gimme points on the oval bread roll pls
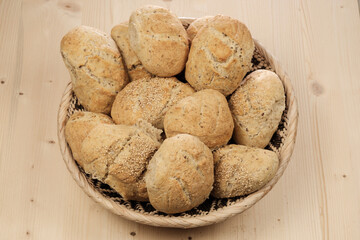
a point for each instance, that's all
(241, 170)
(180, 174)
(148, 99)
(118, 155)
(95, 66)
(257, 106)
(78, 127)
(220, 55)
(196, 25)
(136, 70)
(159, 40)
(205, 114)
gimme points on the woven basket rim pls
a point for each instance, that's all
(212, 217)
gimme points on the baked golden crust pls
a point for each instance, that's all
(220, 55)
(180, 174)
(241, 170)
(95, 66)
(196, 25)
(118, 155)
(136, 71)
(78, 127)
(148, 99)
(205, 114)
(257, 106)
(159, 40)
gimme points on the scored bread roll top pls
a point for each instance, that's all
(120, 34)
(180, 174)
(241, 170)
(220, 55)
(118, 155)
(196, 25)
(257, 106)
(148, 99)
(95, 66)
(204, 114)
(159, 40)
(78, 127)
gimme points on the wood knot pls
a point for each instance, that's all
(2, 81)
(316, 88)
(133, 234)
(69, 6)
(344, 175)
(51, 141)
(21, 93)
(189, 238)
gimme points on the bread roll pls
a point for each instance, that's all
(95, 66)
(159, 40)
(257, 107)
(220, 55)
(241, 170)
(196, 25)
(148, 99)
(136, 70)
(180, 175)
(205, 114)
(118, 155)
(78, 127)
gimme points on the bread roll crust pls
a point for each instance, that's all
(148, 99)
(241, 170)
(78, 127)
(205, 114)
(220, 55)
(180, 174)
(196, 25)
(257, 106)
(159, 40)
(118, 155)
(95, 66)
(120, 34)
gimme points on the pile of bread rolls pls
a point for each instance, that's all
(128, 85)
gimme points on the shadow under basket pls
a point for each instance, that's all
(212, 210)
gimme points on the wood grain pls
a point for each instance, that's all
(317, 198)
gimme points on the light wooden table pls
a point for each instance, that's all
(318, 43)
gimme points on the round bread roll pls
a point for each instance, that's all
(78, 127)
(159, 40)
(95, 66)
(241, 170)
(196, 25)
(257, 106)
(220, 55)
(136, 70)
(148, 99)
(205, 114)
(118, 155)
(180, 174)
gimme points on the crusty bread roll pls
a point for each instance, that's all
(148, 99)
(257, 106)
(78, 127)
(180, 174)
(205, 114)
(159, 40)
(95, 66)
(241, 170)
(120, 34)
(196, 25)
(118, 155)
(220, 55)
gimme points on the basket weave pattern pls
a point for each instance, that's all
(212, 210)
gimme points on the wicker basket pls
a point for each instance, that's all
(212, 210)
